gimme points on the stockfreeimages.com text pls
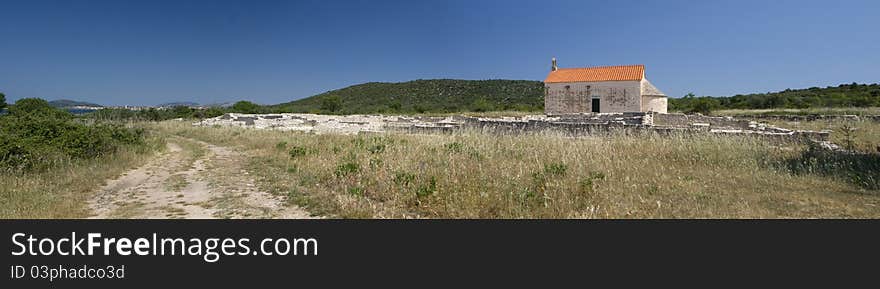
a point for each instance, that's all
(211, 249)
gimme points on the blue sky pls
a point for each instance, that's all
(150, 52)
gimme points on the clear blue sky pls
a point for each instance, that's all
(150, 52)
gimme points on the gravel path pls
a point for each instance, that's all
(191, 180)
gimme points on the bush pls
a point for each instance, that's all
(557, 169)
(37, 108)
(454, 147)
(403, 178)
(245, 107)
(862, 169)
(346, 169)
(34, 135)
(844, 95)
(427, 189)
(152, 114)
(298, 151)
(331, 103)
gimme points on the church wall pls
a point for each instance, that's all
(654, 103)
(576, 97)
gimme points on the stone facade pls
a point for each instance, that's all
(652, 103)
(607, 89)
(613, 96)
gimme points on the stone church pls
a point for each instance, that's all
(601, 90)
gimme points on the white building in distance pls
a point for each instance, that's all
(601, 90)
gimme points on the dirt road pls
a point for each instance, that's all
(192, 180)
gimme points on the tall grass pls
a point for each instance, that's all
(64, 189)
(861, 135)
(475, 175)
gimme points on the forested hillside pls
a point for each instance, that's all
(437, 95)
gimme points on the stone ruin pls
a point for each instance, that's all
(570, 124)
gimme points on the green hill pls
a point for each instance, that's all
(65, 103)
(436, 95)
(844, 95)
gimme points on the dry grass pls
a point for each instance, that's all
(476, 175)
(64, 190)
(864, 135)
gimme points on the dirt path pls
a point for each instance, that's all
(192, 180)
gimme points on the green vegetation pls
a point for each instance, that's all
(153, 114)
(175, 112)
(424, 96)
(862, 169)
(450, 96)
(34, 135)
(51, 162)
(246, 107)
(844, 95)
(2, 101)
(804, 111)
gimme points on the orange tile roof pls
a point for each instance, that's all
(602, 73)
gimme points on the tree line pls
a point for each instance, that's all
(844, 95)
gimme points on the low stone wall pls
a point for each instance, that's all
(571, 124)
(686, 120)
(540, 126)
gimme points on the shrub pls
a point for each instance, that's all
(427, 189)
(482, 105)
(862, 169)
(346, 169)
(454, 147)
(557, 169)
(403, 178)
(331, 103)
(356, 191)
(37, 108)
(34, 135)
(377, 148)
(298, 151)
(245, 107)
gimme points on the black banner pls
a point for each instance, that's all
(55, 253)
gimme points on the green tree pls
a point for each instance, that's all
(245, 107)
(2, 101)
(181, 111)
(213, 112)
(704, 105)
(331, 103)
(481, 105)
(36, 107)
(395, 106)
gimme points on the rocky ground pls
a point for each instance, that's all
(576, 124)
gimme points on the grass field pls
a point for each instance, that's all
(63, 190)
(862, 135)
(475, 175)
